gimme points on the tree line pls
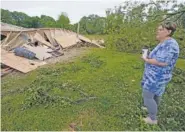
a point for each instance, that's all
(130, 13)
(132, 26)
(92, 24)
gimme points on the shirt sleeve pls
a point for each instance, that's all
(166, 53)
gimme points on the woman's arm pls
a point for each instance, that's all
(154, 62)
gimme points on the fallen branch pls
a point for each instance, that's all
(83, 100)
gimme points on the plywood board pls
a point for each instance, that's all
(48, 35)
(66, 41)
(84, 38)
(58, 32)
(15, 43)
(62, 32)
(39, 38)
(9, 38)
(89, 41)
(19, 63)
(6, 39)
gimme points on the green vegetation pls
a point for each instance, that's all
(128, 27)
(92, 24)
(98, 91)
(132, 29)
(97, 37)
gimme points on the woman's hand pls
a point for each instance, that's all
(154, 62)
(144, 58)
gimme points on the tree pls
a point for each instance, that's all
(63, 21)
(23, 20)
(35, 22)
(47, 21)
(6, 16)
(132, 25)
(93, 24)
(20, 19)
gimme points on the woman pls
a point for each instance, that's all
(158, 69)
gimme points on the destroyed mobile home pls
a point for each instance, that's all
(25, 49)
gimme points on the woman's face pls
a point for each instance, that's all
(162, 33)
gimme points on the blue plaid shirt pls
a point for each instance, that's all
(155, 77)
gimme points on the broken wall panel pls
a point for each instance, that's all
(6, 39)
(58, 33)
(19, 40)
(48, 35)
(62, 32)
(9, 37)
(39, 38)
(89, 41)
(10, 27)
(66, 41)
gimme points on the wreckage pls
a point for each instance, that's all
(25, 49)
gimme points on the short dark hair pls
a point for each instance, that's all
(169, 26)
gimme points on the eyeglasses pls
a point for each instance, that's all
(160, 29)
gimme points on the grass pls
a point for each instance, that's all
(96, 37)
(98, 91)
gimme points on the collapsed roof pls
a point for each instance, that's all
(45, 40)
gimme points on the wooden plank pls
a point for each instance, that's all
(84, 38)
(12, 35)
(19, 63)
(9, 43)
(22, 39)
(15, 42)
(6, 39)
(48, 35)
(58, 32)
(89, 41)
(62, 32)
(39, 38)
(52, 32)
(66, 41)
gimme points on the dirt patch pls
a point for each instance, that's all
(69, 55)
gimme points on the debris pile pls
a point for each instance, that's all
(26, 49)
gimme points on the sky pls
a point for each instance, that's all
(75, 9)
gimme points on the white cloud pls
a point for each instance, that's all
(74, 9)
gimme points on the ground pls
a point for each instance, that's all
(98, 90)
(69, 55)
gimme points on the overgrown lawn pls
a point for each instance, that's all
(98, 91)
